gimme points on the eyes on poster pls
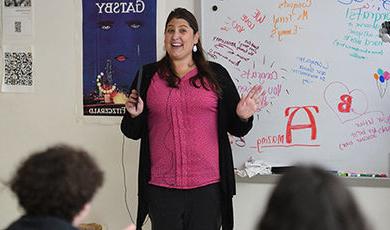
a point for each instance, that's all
(118, 38)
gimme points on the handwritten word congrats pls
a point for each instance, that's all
(361, 40)
(295, 5)
(375, 18)
(121, 7)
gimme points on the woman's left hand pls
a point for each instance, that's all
(249, 104)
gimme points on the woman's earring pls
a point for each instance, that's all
(194, 48)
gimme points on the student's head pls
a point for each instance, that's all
(307, 198)
(59, 181)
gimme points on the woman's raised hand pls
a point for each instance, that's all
(249, 104)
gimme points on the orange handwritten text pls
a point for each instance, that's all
(287, 24)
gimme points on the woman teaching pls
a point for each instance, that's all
(182, 111)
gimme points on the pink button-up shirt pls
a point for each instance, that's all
(183, 134)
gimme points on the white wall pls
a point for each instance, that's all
(30, 122)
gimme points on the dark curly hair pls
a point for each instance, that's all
(307, 198)
(204, 70)
(57, 182)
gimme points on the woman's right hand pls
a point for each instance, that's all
(134, 105)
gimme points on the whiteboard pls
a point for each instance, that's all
(324, 73)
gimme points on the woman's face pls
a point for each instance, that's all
(179, 39)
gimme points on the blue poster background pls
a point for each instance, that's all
(118, 37)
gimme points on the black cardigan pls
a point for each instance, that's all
(228, 121)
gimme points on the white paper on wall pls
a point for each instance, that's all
(17, 65)
(17, 19)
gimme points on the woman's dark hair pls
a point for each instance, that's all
(307, 198)
(57, 182)
(204, 70)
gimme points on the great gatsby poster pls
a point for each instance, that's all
(118, 38)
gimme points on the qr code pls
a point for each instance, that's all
(18, 27)
(18, 68)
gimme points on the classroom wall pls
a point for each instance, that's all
(31, 122)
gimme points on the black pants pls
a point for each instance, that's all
(192, 209)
